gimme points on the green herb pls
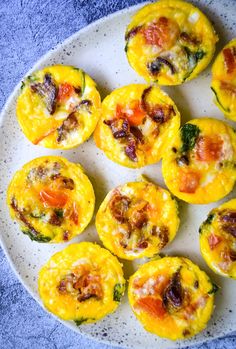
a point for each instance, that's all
(80, 321)
(38, 238)
(37, 214)
(214, 289)
(59, 212)
(118, 292)
(83, 81)
(209, 218)
(32, 78)
(126, 46)
(193, 59)
(199, 55)
(218, 100)
(22, 85)
(189, 134)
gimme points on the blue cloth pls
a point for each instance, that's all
(28, 29)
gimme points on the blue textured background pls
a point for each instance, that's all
(28, 29)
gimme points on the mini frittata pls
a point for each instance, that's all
(51, 198)
(136, 124)
(59, 107)
(199, 165)
(83, 283)
(224, 80)
(218, 239)
(137, 220)
(172, 297)
(169, 42)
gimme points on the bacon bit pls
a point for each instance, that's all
(137, 134)
(173, 295)
(228, 87)
(66, 235)
(75, 215)
(228, 220)
(130, 34)
(130, 150)
(68, 125)
(152, 306)
(48, 91)
(159, 113)
(209, 148)
(119, 127)
(213, 240)
(229, 54)
(118, 205)
(65, 91)
(142, 244)
(189, 38)
(20, 215)
(139, 216)
(52, 198)
(55, 219)
(189, 181)
(232, 255)
(163, 33)
(226, 260)
(66, 183)
(191, 308)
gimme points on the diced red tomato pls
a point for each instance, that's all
(75, 215)
(53, 198)
(163, 33)
(134, 114)
(214, 240)
(209, 148)
(152, 306)
(65, 90)
(229, 54)
(189, 181)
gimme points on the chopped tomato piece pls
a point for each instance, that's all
(163, 33)
(53, 198)
(75, 215)
(152, 306)
(230, 59)
(134, 113)
(189, 181)
(214, 240)
(209, 148)
(65, 90)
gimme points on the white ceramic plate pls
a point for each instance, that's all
(99, 50)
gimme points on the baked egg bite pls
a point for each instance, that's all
(224, 80)
(199, 165)
(172, 297)
(83, 283)
(169, 42)
(136, 124)
(58, 107)
(51, 198)
(218, 239)
(137, 220)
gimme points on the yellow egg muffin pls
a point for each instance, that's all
(224, 80)
(218, 239)
(169, 42)
(51, 198)
(172, 297)
(83, 283)
(136, 124)
(137, 219)
(199, 165)
(58, 107)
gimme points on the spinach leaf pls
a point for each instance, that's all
(214, 289)
(38, 238)
(193, 59)
(218, 100)
(59, 212)
(209, 218)
(189, 134)
(79, 322)
(118, 292)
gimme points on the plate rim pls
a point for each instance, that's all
(6, 105)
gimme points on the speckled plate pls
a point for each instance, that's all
(99, 50)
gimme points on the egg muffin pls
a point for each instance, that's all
(224, 80)
(169, 42)
(58, 107)
(83, 283)
(199, 165)
(172, 297)
(136, 124)
(137, 219)
(51, 198)
(218, 239)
